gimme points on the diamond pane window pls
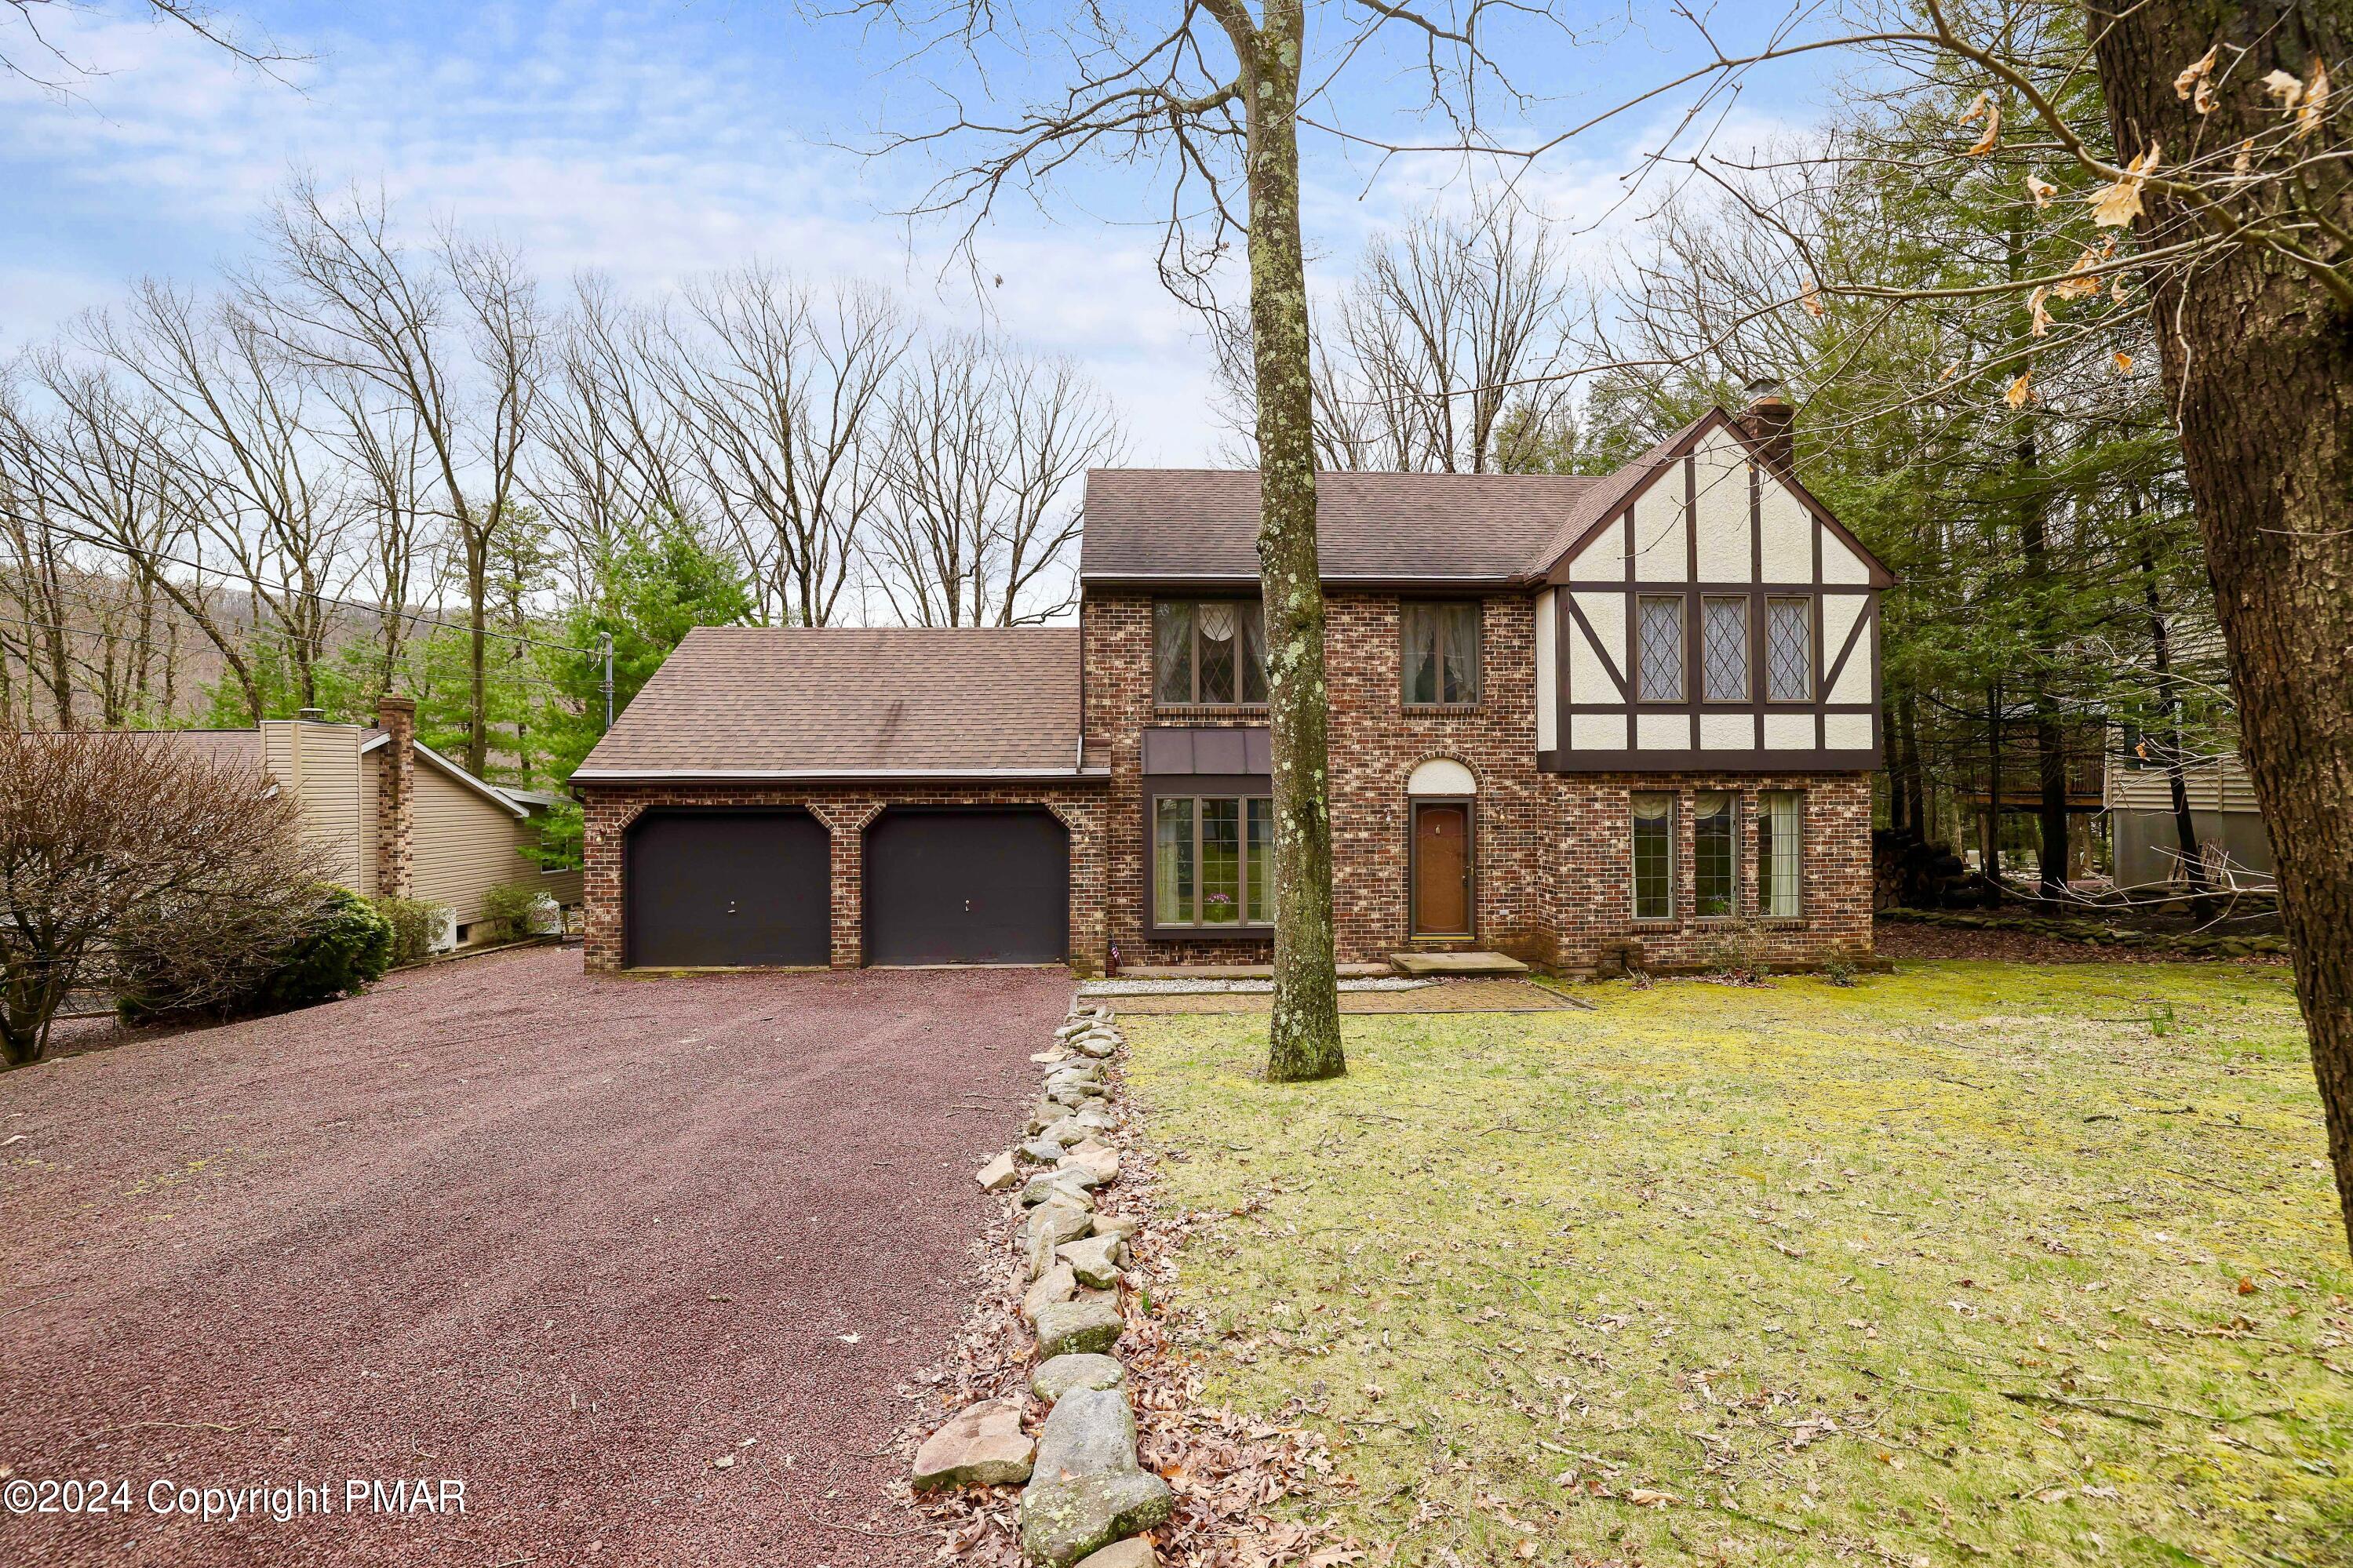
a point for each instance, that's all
(1210, 652)
(1713, 878)
(1659, 674)
(1789, 650)
(1724, 649)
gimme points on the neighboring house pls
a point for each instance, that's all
(393, 816)
(1566, 714)
(2145, 834)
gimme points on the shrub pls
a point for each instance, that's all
(346, 947)
(123, 857)
(174, 965)
(417, 924)
(509, 909)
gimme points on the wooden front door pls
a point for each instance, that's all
(1442, 867)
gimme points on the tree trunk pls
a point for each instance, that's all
(1303, 1034)
(2258, 363)
(478, 697)
(2168, 702)
(1989, 862)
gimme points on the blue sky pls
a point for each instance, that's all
(662, 138)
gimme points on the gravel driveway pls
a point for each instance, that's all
(566, 1240)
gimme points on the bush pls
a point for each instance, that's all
(509, 909)
(417, 924)
(171, 966)
(349, 945)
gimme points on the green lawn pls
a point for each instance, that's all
(1973, 1262)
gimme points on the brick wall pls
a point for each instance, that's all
(1553, 852)
(845, 811)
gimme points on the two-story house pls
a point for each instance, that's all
(1566, 712)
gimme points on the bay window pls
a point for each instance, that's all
(1780, 815)
(1715, 875)
(1654, 855)
(1208, 653)
(1213, 861)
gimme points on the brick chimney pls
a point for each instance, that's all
(1768, 421)
(395, 797)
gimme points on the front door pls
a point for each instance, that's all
(1442, 867)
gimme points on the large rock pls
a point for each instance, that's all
(1062, 1220)
(1092, 1261)
(1070, 1183)
(1082, 1069)
(1119, 1224)
(997, 1175)
(1062, 1521)
(1095, 1157)
(1053, 1288)
(1042, 1151)
(1067, 1373)
(983, 1445)
(1096, 1045)
(1066, 1130)
(1092, 1432)
(1072, 1093)
(1089, 1120)
(1089, 1324)
(1134, 1552)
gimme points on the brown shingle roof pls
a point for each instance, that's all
(1202, 523)
(840, 701)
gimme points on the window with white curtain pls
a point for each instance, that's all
(1780, 839)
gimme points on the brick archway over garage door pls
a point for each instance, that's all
(967, 885)
(718, 887)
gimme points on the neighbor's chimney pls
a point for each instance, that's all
(395, 797)
(1767, 423)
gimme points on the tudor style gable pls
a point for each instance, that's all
(1705, 612)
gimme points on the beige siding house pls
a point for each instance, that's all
(395, 816)
(2146, 837)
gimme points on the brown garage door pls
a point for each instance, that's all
(967, 885)
(715, 887)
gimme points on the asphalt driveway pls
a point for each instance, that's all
(567, 1241)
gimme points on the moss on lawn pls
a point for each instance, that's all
(1977, 1262)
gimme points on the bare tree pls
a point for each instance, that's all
(986, 447)
(1448, 351)
(780, 388)
(102, 833)
(241, 426)
(610, 452)
(95, 493)
(450, 337)
(39, 59)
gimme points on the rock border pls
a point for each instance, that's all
(1086, 1497)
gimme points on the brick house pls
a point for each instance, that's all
(1567, 714)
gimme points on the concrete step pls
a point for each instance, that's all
(1235, 971)
(1442, 963)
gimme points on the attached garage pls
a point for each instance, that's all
(714, 887)
(967, 885)
(931, 779)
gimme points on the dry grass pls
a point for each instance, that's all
(1974, 1263)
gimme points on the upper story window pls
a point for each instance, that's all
(1724, 648)
(1441, 654)
(1207, 652)
(1789, 649)
(1659, 671)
